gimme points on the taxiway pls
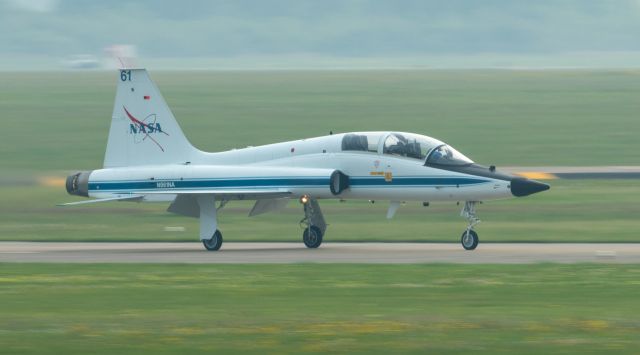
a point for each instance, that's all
(274, 253)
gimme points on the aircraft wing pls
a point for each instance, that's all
(110, 199)
(186, 204)
(228, 194)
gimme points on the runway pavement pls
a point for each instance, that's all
(275, 253)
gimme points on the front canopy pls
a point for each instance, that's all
(446, 155)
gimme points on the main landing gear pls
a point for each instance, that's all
(312, 237)
(209, 221)
(469, 237)
(214, 243)
(313, 222)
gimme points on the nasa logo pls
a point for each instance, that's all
(143, 129)
(146, 128)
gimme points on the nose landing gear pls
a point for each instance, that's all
(469, 239)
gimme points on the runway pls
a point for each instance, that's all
(285, 253)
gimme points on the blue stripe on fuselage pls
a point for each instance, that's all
(204, 184)
(415, 181)
(242, 183)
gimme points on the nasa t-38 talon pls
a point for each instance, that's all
(149, 159)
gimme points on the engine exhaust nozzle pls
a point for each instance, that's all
(78, 184)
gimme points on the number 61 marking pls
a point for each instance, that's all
(125, 75)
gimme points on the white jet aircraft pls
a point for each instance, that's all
(148, 159)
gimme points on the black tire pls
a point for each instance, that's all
(214, 243)
(469, 241)
(312, 237)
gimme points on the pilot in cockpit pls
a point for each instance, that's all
(436, 156)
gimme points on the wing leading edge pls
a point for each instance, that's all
(110, 199)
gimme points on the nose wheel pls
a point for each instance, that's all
(469, 239)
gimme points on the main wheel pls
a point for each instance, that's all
(469, 239)
(312, 237)
(214, 243)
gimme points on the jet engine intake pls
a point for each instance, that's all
(338, 182)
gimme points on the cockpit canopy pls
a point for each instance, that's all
(408, 145)
(446, 155)
(365, 142)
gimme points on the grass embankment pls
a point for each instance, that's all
(162, 309)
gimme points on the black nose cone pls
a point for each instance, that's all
(525, 187)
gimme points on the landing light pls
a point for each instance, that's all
(304, 199)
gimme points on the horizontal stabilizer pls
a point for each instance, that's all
(125, 198)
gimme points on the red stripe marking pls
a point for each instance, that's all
(133, 119)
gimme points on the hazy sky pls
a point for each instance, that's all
(457, 33)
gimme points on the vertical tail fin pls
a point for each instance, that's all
(143, 129)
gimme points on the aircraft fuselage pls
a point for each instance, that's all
(303, 167)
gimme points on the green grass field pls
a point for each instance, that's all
(165, 309)
(59, 121)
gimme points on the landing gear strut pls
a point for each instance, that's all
(469, 237)
(209, 221)
(313, 222)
